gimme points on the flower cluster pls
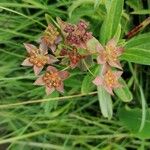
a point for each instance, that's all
(108, 57)
(69, 43)
(76, 35)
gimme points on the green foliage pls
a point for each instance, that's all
(123, 92)
(137, 50)
(30, 120)
(141, 12)
(111, 23)
(78, 3)
(105, 102)
(87, 85)
(127, 115)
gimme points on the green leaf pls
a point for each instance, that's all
(81, 12)
(134, 4)
(141, 12)
(76, 4)
(137, 55)
(137, 50)
(131, 118)
(118, 33)
(123, 92)
(138, 41)
(97, 3)
(111, 23)
(87, 85)
(105, 102)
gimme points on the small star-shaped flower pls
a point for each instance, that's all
(109, 80)
(37, 58)
(53, 80)
(109, 54)
(51, 37)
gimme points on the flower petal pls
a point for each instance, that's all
(119, 50)
(52, 59)
(118, 74)
(60, 88)
(73, 65)
(108, 89)
(105, 68)
(51, 69)
(98, 81)
(118, 85)
(115, 64)
(43, 48)
(53, 48)
(26, 62)
(37, 70)
(63, 74)
(39, 81)
(30, 47)
(111, 43)
(101, 58)
(49, 90)
(58, 40)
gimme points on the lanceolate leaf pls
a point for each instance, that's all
(141, 12)
(138, 41)
(123, 92)
(137, 50)
(111, 23)
(87, 85)
(134, 4)
(105, 102)
(77, 3)
(137, 55)
(118, 33)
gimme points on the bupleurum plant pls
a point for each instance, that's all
(69, 44)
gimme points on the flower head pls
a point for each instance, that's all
(109, 80)
(37, 58)
(53, 80)
(73, 56)
(51, 37)
(109, 54)
(75, 35)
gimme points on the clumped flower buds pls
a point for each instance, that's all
(76, 35)
(73, 56)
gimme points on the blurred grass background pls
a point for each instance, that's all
(47, 122)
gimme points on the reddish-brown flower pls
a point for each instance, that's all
(75, 35)
(109, 80)
(53, 80)
(50, 38)
(73, 56)
(110, 54)
(37, 58)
